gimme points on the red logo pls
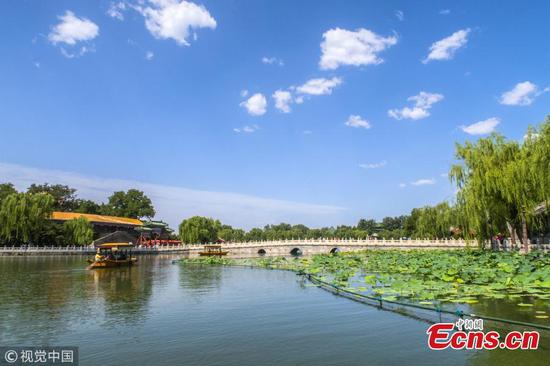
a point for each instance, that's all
(441, 336)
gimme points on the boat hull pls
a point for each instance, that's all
(212, 254)
(111, 263)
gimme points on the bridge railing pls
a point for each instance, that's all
(403, 243)
(46, 249)
(350, 242)
(85, 249)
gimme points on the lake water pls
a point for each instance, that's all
(159, 313)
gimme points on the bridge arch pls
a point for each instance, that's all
(335, 250)
(262, 252)
(296, 252)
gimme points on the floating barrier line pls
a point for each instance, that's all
(459, 313)
(324, 285)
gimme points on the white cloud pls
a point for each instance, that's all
(307, 132)
(446, 48)
(444, 175)
(373, 165)
(76, 52)
(357, 122)
(149, 55)
(320, 86)
(244, 93)
(402, 185)
(344, 47)
(522, 94)
(247, 129)
(174, 203)
(422, 104)
(482, 127)
(283, 99)
(423, 182)
(272, 61)
(445, 12)
(116, 10)
(174, 19)
(399, 15)
(72, 29)
(255, 105)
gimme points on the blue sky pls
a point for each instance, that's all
(169, 95)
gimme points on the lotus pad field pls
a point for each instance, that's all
(428, 276)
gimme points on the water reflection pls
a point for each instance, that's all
(508, 309)
(196, 276)
(125, 293)
(48, 296)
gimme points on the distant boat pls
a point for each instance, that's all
(213, 250)
(110, 255)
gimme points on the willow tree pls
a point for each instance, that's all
(501, 182)
(525, 180)
(198, 229)
(23, 216)
(435, 222)
(5, 190)
(78, 231)
(479, 179)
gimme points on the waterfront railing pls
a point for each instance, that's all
(349, 243)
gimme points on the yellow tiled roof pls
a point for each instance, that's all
(65, 216)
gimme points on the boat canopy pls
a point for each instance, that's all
(115, 245)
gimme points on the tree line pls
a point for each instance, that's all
(24, 219)
(25, 216)
(425, 222)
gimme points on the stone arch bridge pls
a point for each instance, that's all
(260, 248)
(325, 246)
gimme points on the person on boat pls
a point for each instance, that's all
(115, 254)
(98, 256)
(122, 255)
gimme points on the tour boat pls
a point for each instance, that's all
(110, 255)
(213, 250)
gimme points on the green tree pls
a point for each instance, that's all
(525, 179)
(133, 203)
(87, 207)
(393, 223)
(344, 232)
(228, 233)
(51, 234)
(255, 234)
(64, 196)
(78, 231)
(501, 183)
(199, 230)
(370, 225)
(5, 190)
(23, 216)
(238, 235)
(299, 231)
(411, 223)
(435, 222)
